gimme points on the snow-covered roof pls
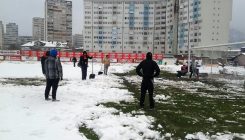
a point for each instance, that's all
(47, 44)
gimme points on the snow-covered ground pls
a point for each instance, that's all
(25, 115)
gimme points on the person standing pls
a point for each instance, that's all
(193, 67)
(148, 69)
(84, 64)
(106, 62)
(54, 74)
(74, 60)
(43, 58)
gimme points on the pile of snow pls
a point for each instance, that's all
(160, 98)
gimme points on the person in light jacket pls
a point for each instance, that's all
(106, 62)
(54, 74)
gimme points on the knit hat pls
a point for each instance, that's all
(53, 52)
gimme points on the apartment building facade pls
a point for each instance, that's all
(11, 35)
(208, 24)
(77, 41)
(159, 26)
(58, 21)
(119, 26)
(1, 35)
(38, 28)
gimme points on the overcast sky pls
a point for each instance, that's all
(22, 12)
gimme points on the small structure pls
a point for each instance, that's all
(239, 60)
(44, 45)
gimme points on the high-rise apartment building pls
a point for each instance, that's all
(77, 41)
(119, 26)
(159, 26)
(11, 35)
(38, 28)
(58, 21)
(1, 35)
(207, 24)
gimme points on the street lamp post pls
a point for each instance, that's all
(189, 48)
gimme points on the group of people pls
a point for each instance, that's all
(83, 63)
(147, 69)
(52, 69)
(193, 70)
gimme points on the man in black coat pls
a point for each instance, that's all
(148, 69)
(43, 58)
(74, 60)
(84, 64)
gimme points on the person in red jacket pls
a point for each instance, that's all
(83, 62)
(183, 71)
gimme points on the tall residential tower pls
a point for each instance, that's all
(11, 35)
(58, 21)
(38, 28)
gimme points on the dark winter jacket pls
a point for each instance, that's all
(84, 60)
(53, 68)
(74, 59)
(149, 68)
(184, 69)
(43, 58)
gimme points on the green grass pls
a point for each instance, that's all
(27, 81)
(24, 81)
(187, 112)
(89, 133)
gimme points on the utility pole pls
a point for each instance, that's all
(189, 48)
(175, 28)
(92, 26)
(123, 29)
(153, 45)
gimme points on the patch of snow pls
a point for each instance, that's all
(161, 97)
(211, 119)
